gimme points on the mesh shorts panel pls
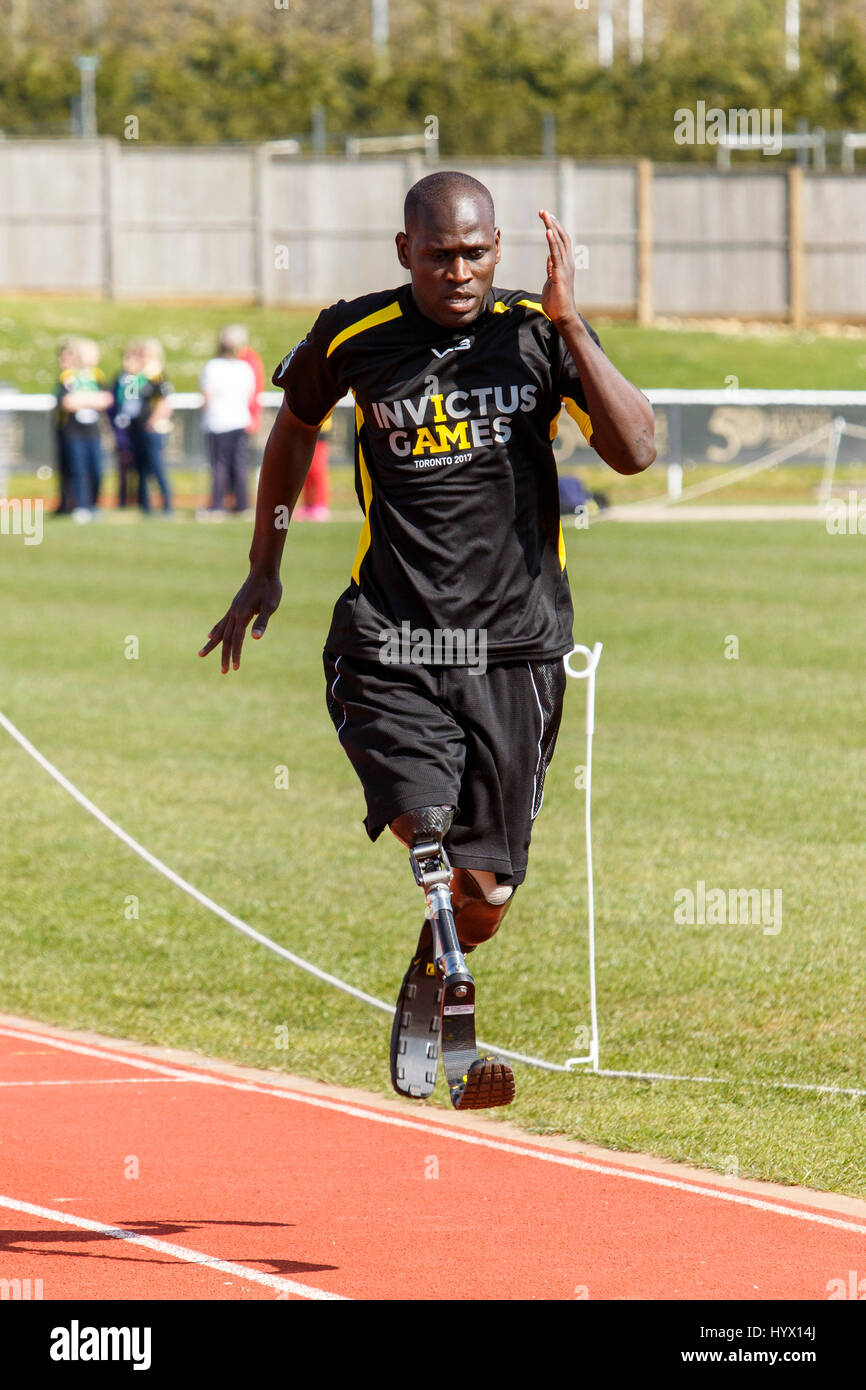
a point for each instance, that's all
(549, 678)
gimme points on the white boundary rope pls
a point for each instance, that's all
(176, 878)
(216, 908)
(241, 926)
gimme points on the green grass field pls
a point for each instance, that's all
(655, 357)
(741, 773)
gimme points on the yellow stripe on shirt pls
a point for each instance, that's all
(367, 488)
(533, 304)
(571, 406)
(583, 421)
(574, 410)
(391, 311)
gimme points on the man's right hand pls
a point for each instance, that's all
(286, 463)
(259, 594)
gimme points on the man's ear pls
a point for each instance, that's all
(402, 243)
(498, 247)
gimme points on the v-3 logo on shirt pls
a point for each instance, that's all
(456, 347)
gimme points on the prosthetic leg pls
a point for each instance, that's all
(436, 1005)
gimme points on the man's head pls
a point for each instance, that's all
(450, 246)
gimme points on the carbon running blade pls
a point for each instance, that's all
(459, 1050)
(415, 1030)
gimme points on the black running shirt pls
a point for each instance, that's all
(454, 468)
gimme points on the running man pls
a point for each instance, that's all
(444, 661)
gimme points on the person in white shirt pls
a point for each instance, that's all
(227, 384)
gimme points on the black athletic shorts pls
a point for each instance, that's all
(443, 736)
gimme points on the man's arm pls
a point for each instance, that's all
(287, 458)
(622, 418)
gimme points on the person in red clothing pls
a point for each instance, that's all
(317, 487)
(248, 354)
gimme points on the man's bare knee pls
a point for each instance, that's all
(479, 904)
(496, 893)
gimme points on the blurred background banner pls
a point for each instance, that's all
(692, 428)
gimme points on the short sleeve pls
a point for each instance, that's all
(308, 374)
(569, 386)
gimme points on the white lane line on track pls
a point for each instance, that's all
(178, 1252)
(460, 1136)
(87, 1051)
(101, 1081)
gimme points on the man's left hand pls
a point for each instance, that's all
(557, 297)
(621, 417)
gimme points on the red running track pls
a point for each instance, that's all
(221, 1183)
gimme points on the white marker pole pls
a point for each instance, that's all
(588, 674)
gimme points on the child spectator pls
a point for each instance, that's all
(80, 399)
(125, 407)
(147, 429)
(228, 385)
(66, 501)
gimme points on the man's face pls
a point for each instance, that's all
(452, 253)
